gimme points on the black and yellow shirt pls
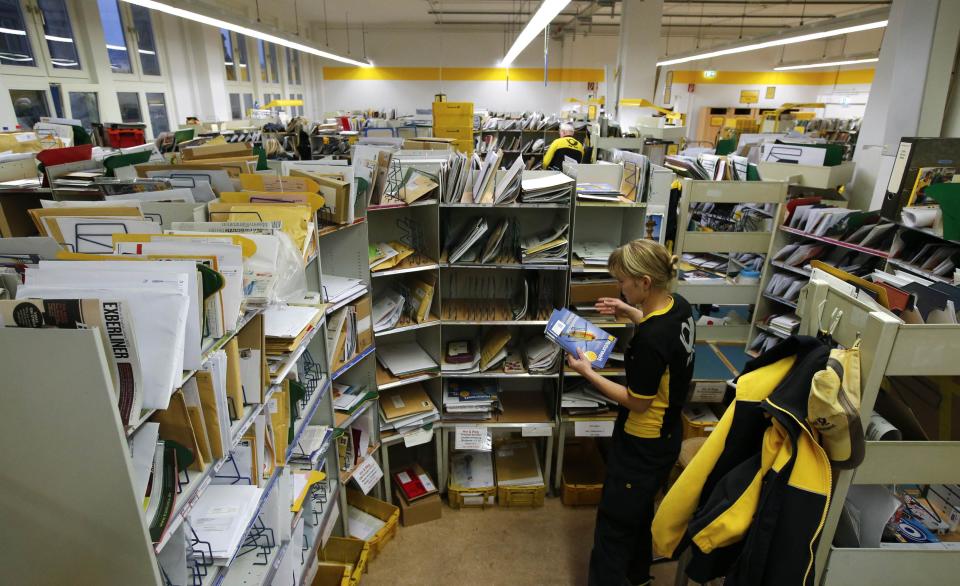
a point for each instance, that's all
(659, 364)
(565, 146)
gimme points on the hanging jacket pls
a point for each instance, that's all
(753, 501)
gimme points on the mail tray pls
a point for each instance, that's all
(521, 496)
(329, 574)
(349, 552)
(583, 473)
(389, 514)
(460, 497)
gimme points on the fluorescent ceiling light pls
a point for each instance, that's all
(58, 39)
(13, 31)
(831, 64)
(548, 10)
(776, 42)
(218, 23)
(116, 47)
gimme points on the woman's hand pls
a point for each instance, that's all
(580, 364)
(618, 308)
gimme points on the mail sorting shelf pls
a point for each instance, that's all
(726, 291)
(775, 305)
(888, 347)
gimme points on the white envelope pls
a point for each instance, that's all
(88, 272)
(229, 261)
(159, 311)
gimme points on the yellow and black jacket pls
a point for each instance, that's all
(754, 499)
(565, 146)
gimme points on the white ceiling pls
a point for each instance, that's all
(703, 19)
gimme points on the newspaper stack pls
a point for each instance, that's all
(543, 357)
(546, 189)
(583, 399)
(593, 253)
(546, 248)
(471, 401)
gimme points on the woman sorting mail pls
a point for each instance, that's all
(647, 434)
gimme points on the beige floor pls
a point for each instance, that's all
(519, 547)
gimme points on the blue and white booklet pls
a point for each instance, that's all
(572, 333)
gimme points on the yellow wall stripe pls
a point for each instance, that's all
(459, 74)
(849, 76)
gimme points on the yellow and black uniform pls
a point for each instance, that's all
(645, 445)
(565, 146)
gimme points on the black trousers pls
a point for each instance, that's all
(622, 544)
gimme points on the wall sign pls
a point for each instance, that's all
(749, 96)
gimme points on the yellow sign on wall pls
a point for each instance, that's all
(749, 96)
(771, 91)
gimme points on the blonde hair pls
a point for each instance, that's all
(644, 258)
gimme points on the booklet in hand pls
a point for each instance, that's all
(572, 333)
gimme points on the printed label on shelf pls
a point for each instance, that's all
(593, 428)
(419, 437)
(368, 474)
(708, 392)
(473, 437)
(537, 430)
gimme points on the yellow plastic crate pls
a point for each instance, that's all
(382, 510)
(349, 552)
(521, 496)
(459, 497)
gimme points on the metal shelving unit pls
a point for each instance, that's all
(888, 347)
(726, 291)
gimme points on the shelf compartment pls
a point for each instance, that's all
(919, 462)
(891, 566)
(716, 242)
(719, 292)
(835, 242)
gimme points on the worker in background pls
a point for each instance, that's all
(565, 146)
(647, 433)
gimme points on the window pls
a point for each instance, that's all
(85, 107)
(269, 71)
(146, 43)
(14, 44)
(240, 51)
(157, 108)
(293, 67)
(247, 104)
(300, 108)
(228, 55)
(129, 107)
(56, 94)
(59, 34)
(235, 112)
(115, 36)
(296, 110)
(29, 106)
(266, 100)
(235, 62)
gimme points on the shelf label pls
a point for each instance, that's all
(473, 437)
(367, 474)
(708, 392)
(593, 428)
(537, 430)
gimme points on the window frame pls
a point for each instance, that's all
(43, 67)
(132, 40)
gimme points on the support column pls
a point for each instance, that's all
(637, 58)
(909, 91)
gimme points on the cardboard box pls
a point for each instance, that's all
(429, 143)
(590, 291)
(429, 508)
(215, 151)
(452, 131)
(453, 113)
(337, 195)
